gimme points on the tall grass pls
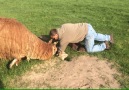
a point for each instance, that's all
(107, 17)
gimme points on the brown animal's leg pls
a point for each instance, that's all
(28, 59)
(12, 63)
(73, 46)
(81, 47)
(17, 62)
(77, 46)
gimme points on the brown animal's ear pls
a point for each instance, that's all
(50, 41)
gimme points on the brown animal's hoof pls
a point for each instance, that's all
(16, 64)
(10, 66)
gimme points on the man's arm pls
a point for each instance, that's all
(63, 45)
(62, 48)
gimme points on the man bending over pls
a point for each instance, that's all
(74, 33)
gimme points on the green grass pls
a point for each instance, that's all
(42, 15)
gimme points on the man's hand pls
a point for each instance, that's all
(63, 55)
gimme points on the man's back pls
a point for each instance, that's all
(71, 33)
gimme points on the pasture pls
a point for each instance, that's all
(39, 16)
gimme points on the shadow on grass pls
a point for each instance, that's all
(1, 84)
(68, 59)
(45, 38)
(8, 64)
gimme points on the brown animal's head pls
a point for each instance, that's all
(54, 45)
(54, 48)
(57, 44)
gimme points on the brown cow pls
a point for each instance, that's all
(17, 42)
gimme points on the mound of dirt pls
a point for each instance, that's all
(80, 72)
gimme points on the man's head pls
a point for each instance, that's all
(53, 34)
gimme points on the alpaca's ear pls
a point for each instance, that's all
(50, 41)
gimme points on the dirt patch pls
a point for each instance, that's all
(80, 72)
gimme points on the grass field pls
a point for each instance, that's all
(42, 15)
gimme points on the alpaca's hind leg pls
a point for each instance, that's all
(15, 61)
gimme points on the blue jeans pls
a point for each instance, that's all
(90, 40)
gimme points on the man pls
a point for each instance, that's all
(74, 33)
